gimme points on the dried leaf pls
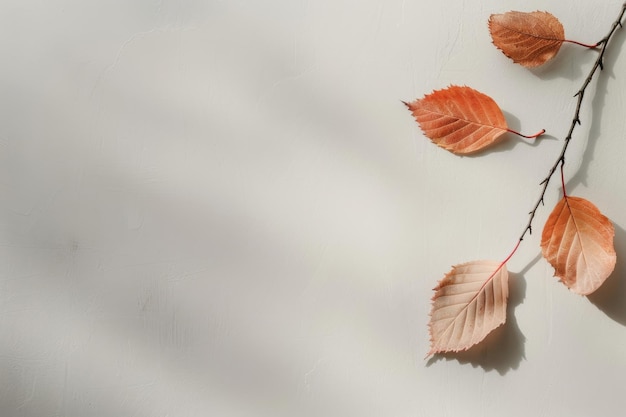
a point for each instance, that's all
(469, 302)
(459, 119)
(577, 240)
(529, 39)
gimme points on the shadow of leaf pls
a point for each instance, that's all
(611, 296)
(503, 349)
(509, 141)
(567, 64)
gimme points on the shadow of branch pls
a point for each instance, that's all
(597, 106)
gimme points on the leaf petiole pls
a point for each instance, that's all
(536, 135)
(586, 45)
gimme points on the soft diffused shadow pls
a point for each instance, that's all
(611, 296)
(597, 106)
(568, 63)
(508, 141)
(503, 349)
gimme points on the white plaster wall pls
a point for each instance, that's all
(222, 208)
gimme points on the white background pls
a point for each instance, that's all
(222, 208)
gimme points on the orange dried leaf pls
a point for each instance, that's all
(529, 39)
(459, 119)
(577, 240)
(469, 302)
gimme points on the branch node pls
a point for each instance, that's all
(575, 121)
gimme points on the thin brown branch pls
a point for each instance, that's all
(603, 43)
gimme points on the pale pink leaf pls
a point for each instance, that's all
(469, 302)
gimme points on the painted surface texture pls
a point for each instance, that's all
(223, 208)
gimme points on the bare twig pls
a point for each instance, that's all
(603, 43)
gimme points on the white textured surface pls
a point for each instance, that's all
(222, 208)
